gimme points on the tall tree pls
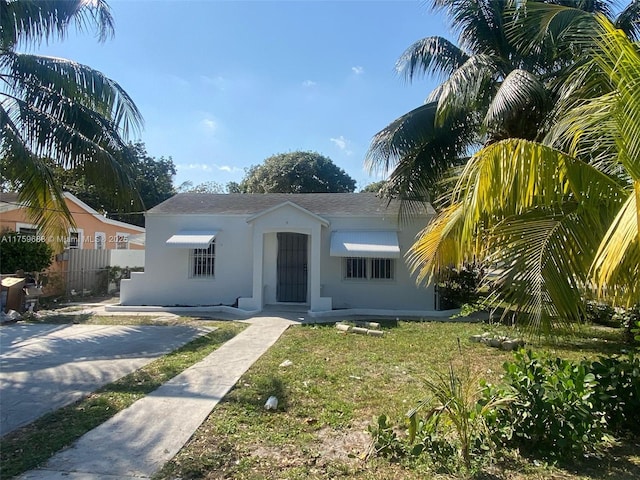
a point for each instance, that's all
(151, 177)
(56, 110)
(559, 215)
(493, 89)
(297, 172)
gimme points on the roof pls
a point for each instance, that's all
(332, 204)
(11, 201)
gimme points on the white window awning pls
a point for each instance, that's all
(192, 239)
(371, 244)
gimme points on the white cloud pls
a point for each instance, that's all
(358, 70)
(195, 166)
(209, 124)
(217, 82)
(342, 143)
(309, 83)
(228, 168)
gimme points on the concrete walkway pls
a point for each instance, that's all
(139, 440)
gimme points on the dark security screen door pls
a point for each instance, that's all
(292, 267)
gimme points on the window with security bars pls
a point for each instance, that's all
(356, 268)
(368, 268)
(382, 268)
(203, 261)
(74, 240)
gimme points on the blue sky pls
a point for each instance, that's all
(224, 85)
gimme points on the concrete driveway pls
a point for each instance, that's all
(44, 367)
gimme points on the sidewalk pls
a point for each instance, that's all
(139, 440)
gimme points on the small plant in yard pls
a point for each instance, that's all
(453, 430)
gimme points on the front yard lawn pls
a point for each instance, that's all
(338, 384)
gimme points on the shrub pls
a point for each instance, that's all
(618, 394)
(457, 287)
(555, 412)
(565, 408)
(627, 319)
(600, 314)
(23, 252)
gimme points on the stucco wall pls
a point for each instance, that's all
(87, 224)
(166, 278)
(166, 281)
(401, 293)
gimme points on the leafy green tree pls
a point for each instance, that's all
(151, 177)
(493, 89)
(52, 109)
(374, 187)
(233, 187)
(204, 187)
(560, 215)
(23, 252)
(297, 172)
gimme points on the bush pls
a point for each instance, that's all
(618, 394)
(600, 314)
(23, 252)
(457, 287)
(555, 412)
(627, 319)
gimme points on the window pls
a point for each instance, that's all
(28, 232)
(27, 229)
(368, 268)
(382, 268)
(356, 268)
(203, 261)
(101, 240)
(74, 240)
(122, 241)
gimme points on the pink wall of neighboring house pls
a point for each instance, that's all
(93, 230)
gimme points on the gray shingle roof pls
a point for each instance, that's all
(338, 204)
(9, 197)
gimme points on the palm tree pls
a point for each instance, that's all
(493, 89)
(55, 112)
(559, 216)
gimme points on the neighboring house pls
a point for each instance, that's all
(326, 251)
(92, 231)
(94, 243)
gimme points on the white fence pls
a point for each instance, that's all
(91, 272)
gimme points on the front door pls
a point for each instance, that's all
(292, 268)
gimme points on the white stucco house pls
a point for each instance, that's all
(323, 251)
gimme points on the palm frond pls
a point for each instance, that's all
(50, 82)
(431, 54)
(629, 20)
(35, 21)
(437, 246)
(538, 28)
(417, 150)
(544, 255)
(617, 261)
(479, 23)
(468, 90)
(519, 106)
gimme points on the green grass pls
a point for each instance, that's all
(337, 385)
(30, 446)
